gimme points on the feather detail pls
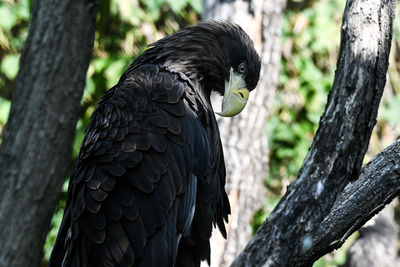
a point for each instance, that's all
(137, 182)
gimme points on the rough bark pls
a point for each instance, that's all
(37, 140)
(378, 184)
(377, 242)
(340, 143)
(243, 136)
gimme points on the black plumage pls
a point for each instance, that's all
(148, 185)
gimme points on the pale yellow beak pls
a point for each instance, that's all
(235, 96)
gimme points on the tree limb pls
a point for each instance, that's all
(378, 184)
(376, 244)
(340, 143)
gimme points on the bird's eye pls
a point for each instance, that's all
(242, 68)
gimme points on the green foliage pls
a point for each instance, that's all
(310, 48)
(262, 214)
(391, 111)
(4, 110)
(55, 222)
(13, 30)
(9, 65)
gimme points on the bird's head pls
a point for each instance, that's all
(241, 70)
(217, 55)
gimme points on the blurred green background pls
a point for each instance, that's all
(311, 34)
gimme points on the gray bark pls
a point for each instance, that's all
(335, 157)
(37, 140)
(378, 185)
(243, 136)
(376, 245)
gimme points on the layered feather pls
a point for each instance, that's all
(150, 175)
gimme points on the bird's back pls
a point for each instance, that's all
(149, 178)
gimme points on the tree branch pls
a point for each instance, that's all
(376, 244)
(340, 143)
(378, 184)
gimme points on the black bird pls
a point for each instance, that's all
(148, 185)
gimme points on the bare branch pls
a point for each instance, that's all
(378, 184)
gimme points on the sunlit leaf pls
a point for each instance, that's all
(114, 70)
(177, 5)
(5, 106)
(21, 10)
(197, 5)
(9, 66)
(8, 18)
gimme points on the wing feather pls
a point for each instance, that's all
(133, 191)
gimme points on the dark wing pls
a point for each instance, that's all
(212, 203)
(132, 194)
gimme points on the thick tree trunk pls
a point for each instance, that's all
(37, 140)
(335, 157)
(243, 136)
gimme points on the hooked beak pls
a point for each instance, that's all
(235, 96)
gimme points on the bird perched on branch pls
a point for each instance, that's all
(148, 185)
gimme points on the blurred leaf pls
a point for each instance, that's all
(114, 71)
(197, 5)
(21, 10)
(262, 214)
(391, 111)
(284, 133)
(5, 106)
(100, 64)
(8, 18)
(52, 235)
(90, 89)
(79, 134)
(320, 263)
(177, 5)
(310, 36)
(9, 66)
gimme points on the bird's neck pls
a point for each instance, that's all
(199, 59)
